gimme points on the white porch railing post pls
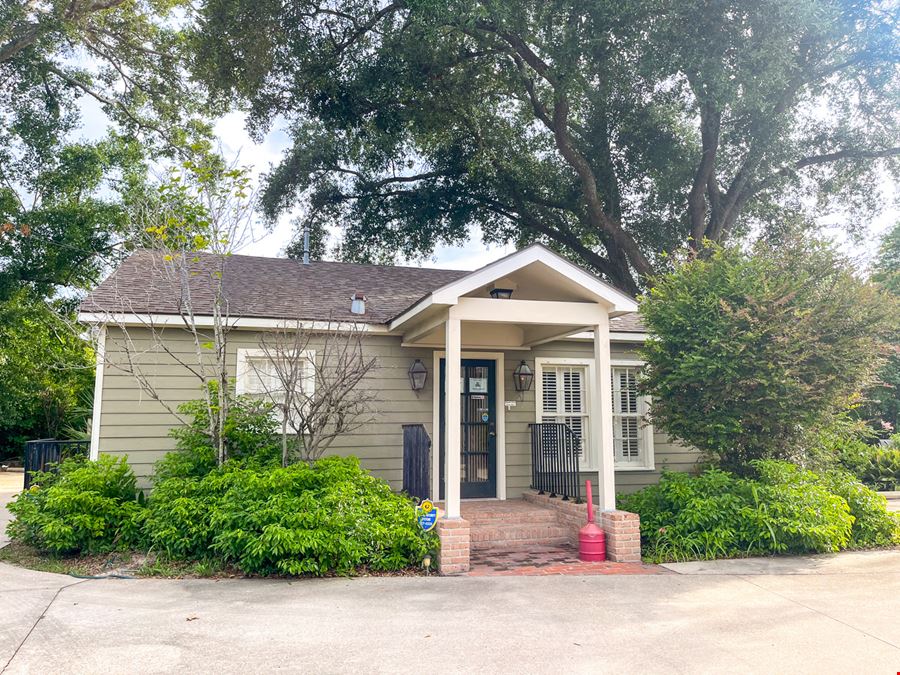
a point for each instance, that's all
(604, 406)
(452, 417)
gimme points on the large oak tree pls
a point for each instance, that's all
(613, 130)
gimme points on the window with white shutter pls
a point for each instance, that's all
(564, 390)
(563, 399)
(258, 376)
(632, 436)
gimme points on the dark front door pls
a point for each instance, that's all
(478, 437)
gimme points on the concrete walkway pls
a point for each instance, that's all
(819, 614)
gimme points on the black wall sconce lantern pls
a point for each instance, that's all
(501, 293)
(523, 377)
(418, 375)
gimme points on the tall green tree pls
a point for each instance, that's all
(46, 372)
(614, 131)
(62, 200)
(63, 218)
(127, 55)
(882, 401)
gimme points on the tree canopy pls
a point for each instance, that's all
(614, 131)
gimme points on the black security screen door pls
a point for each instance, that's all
(478, 432)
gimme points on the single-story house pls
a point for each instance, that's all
(470, 330)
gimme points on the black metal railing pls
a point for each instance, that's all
(46, 453)
(416, 461)
(555, 454)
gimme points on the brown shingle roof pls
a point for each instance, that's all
(277, 288)
(627, 323)
(274, 288)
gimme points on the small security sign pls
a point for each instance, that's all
(427, 515)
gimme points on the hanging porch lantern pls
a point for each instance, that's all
(523, 377)
(418, 375)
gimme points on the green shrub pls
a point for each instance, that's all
(873, 525)
(250, 438)
(783, 509)
(750, 350)
(331, 516)
(881, 469)
(88, 507)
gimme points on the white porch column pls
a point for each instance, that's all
(451, 417)
(602, 408)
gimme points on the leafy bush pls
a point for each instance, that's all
(783, 509)
(750, 350)
(880, 469)
(873, 525)
(250, 438)
(331, 516)
(87, 507)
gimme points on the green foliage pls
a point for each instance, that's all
(46, 372)
(611, 130)
(88, 507)
(751, 351)
(873, 524)
(126, 58)
(886, 266)
(250, 432)
(844, 447)
(331, 516)
(63, 211)
(878, 468)
(883, 406)
(784, 509)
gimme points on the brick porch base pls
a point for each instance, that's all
(453, 558)
(622, 528)
(535, 521)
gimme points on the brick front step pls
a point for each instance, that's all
(502, 516)
(512, 524)
(518, 535)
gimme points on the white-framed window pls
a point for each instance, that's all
(257, 375)
(632, 433)
(563, 396)
(564, 390)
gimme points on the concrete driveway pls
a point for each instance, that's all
(818, 614)
(808, 615)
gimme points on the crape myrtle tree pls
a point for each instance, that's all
(193, 221)
(751, 352)
(314, 377)
(613, 131)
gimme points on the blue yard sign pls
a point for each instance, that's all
(427, 515)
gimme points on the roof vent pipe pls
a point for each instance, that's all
(306, 244)
(358, 304)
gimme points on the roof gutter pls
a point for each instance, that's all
(203, 321)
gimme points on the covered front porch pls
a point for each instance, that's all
(489, 430)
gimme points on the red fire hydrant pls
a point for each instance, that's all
(591, 539)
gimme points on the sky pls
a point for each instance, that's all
(236, 144)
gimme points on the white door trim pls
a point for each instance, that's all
(500, 393)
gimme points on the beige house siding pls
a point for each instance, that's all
(134, 424)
